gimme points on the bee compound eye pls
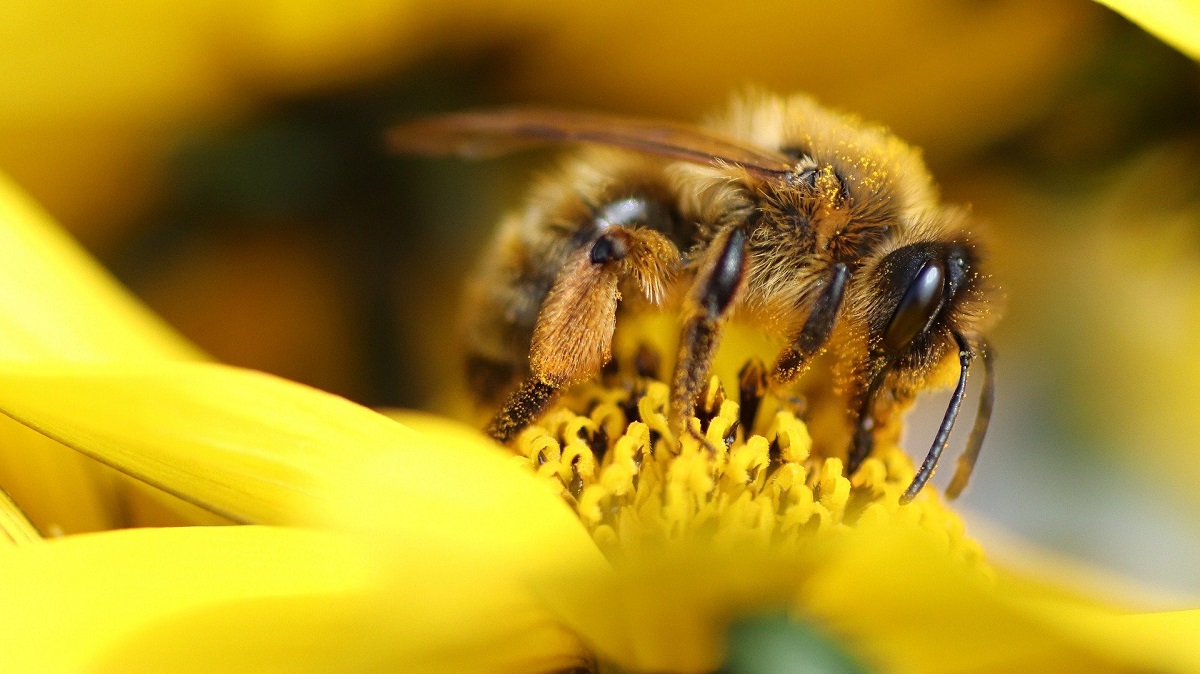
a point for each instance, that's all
(917, 307)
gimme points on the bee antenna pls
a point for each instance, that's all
(965, 355)
(966, 462)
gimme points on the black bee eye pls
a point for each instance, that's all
(917, 308)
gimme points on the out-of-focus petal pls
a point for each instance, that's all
(257, 599)
(61, 491)
(455, 535)
(14, 525)
(383, 630)
(240, 443)
(902, 603)
(56, 302)
(1176, 22)
(72, 603)
(1163, 641)
(892, 596)
(669, 610)
(461, 534)
(459, 507)
(457, 490)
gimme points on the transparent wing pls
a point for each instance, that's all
(495, 132)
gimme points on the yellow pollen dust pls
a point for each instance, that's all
(631, 481)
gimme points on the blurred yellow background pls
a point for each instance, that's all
(225, 160)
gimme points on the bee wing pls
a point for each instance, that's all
(494, 132)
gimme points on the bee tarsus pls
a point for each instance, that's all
(523, 406)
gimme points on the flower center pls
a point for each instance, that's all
(742, 473)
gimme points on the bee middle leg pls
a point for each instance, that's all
(816, 331)
(572, 339)
(720, 281)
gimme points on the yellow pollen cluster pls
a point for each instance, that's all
(632, 481)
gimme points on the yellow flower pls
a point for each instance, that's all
(384, 547)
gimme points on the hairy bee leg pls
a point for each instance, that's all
(572, 339)
(983, 416)
(713, 295)
(817, 328)
(523, 406)
(942, 438)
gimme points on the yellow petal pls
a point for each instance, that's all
(463, 538)
(462, 495)
(669, 611)
(1176, 22)
(890, 595)
(376, 630)
(253, 599)
(457, 535)
(61, 491)
(239, 443)
(1158, 641)
(14, 525)
(460, 531)
(460, 508)
(71, 603)
(899, 601)
(455, 484)
(56, 302)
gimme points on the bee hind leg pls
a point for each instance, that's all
(572, 339)
(522, 406)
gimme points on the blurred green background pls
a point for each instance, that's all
(225, 160)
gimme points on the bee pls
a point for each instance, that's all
(807, 222)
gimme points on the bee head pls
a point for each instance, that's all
(921, 295)
(920, 291)
(924, 300)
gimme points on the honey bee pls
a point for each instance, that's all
(804, 221)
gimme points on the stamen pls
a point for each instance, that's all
(736, 477)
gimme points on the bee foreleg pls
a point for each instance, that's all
(817, 328)
(943, 435)
(572, 339)
(720, 281)
(966, 462)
